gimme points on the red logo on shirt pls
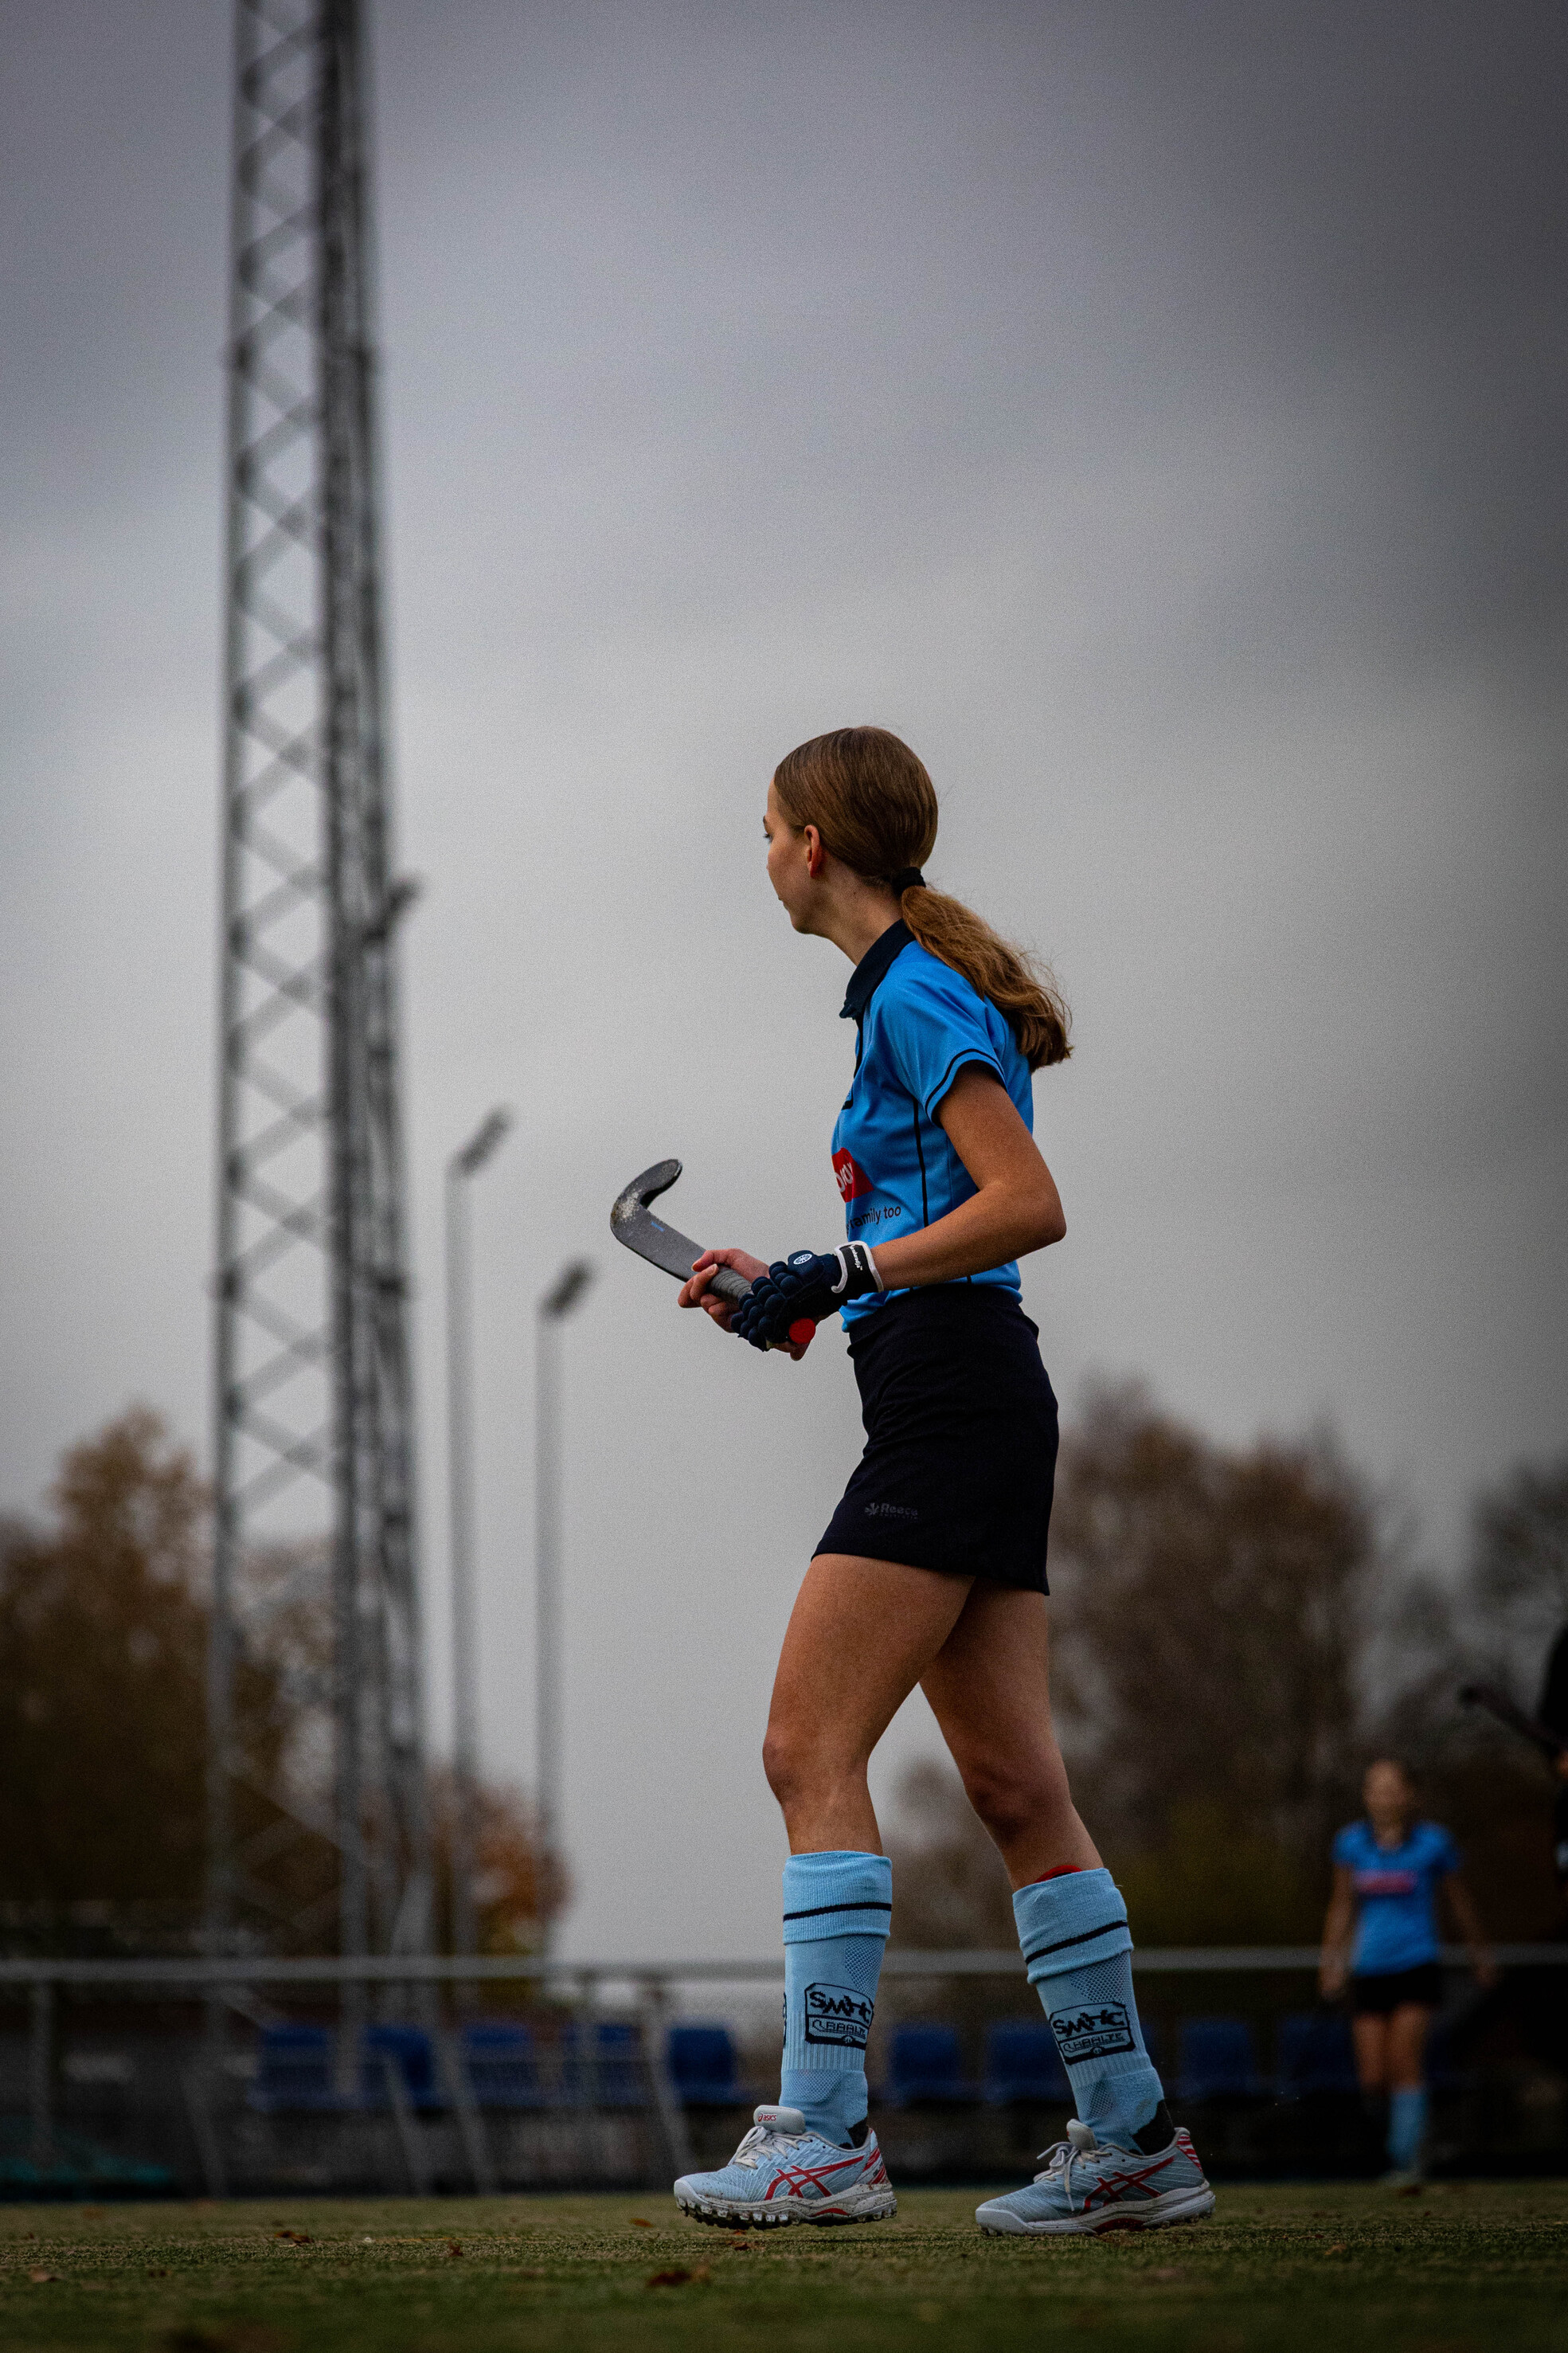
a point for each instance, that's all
(1386, 1883)
(852, 1178)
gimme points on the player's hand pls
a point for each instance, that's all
(694, 1291)
(1485, 1971)
(1332, 1978)
(790, 1299)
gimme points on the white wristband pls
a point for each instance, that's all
(855, 1258)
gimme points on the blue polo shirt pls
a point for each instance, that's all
(1395, 1890)
(919, 1023)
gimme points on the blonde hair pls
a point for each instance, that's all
(875, 807)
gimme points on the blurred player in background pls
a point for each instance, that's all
(1381, 1938)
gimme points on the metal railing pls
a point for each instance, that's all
(198, 1975)
(234, 1981)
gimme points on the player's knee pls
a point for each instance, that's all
(1007, 1800)
(786, 1761)
(802, 1765)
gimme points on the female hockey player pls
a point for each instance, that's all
(933, 1568)
(1387, 1871)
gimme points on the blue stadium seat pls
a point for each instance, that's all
(701, 2063)
(924, 2062)
(1217, 2059)
(1313, 2054)
(604, 2063)
(504, 2064)
(294, 2072)
(410, 2051)
(1022, 2062)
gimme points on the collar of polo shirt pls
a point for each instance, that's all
(872, 970)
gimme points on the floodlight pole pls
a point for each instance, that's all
(555, 1307)
(314, 1408)
(463, 1164)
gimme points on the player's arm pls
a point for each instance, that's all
(1333, 1965)
(1469, 1925)
(1015, 1208)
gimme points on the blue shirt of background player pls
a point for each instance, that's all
(1395, 1890)
(919, 1023)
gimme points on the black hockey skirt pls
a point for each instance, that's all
(960, 1438)
(1381, 1993)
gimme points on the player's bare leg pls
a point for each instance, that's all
(1369, 2035)
(989, 1689)
(859, 1636)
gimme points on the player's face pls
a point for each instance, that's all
(787, 868)
(1386, 1794)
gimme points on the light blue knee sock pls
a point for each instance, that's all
(1407, 2128)
(1078, 1946)
(836, 1912)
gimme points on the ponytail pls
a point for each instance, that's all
(875, 807)
(1027, 998)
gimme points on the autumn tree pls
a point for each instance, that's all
(1517, 1589)
(1211, 1608)
(103, 1630)
(518, 1887)
(103, 1763)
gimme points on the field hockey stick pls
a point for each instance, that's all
(1528, 1727)
(633, 1223)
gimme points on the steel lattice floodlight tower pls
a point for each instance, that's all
(314, 1435)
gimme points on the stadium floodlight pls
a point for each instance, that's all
(556, 1304)
(464, 1163)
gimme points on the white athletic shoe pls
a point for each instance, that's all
(782, 2173)
(1087, 2185)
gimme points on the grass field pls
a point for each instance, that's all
(1347, 2269)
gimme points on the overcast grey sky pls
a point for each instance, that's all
(1153, 411)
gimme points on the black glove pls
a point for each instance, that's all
(790, 1301)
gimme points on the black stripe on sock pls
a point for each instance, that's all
(1041, 1950)
(817, 1910)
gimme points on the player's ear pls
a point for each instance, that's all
(815, 856)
